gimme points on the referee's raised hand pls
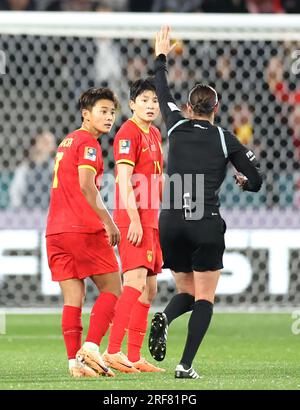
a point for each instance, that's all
(162, 42)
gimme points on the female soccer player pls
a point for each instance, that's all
(139, 163)
(80, 234)
(192, 230)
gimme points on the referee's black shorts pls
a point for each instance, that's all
(192, 245)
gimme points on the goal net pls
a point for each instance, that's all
(253, 61)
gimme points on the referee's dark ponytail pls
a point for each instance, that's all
(203, 99)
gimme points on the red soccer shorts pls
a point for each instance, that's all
(79, 255)
(148, 254)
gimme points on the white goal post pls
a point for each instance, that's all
(143, 25)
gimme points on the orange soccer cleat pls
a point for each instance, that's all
(119, 362)
(144, 366)
(82, 370)
(94, 360)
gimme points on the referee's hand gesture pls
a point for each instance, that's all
(162, 42)
(240, 180)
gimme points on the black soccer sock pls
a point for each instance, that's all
(179, 304)
(198, 325)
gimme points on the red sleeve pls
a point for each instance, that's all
(127, 145)
(89, 155)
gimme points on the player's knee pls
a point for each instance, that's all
(74, 301)
(148, 296)
(74, 298)
(116, 290)
(151, 295)
(136, 279)
(137, 284)
(114, 287)
(141, 286)
(152, 291)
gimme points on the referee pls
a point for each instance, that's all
(192, 237)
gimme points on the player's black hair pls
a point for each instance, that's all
(141, 85)
(90, 97)
(203, 99)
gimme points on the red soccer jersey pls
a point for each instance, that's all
(142, 150)
(69, 210)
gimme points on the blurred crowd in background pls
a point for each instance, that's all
(259, 97)
(259, 102)
(187, 6)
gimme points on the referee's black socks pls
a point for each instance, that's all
(178, 305)
(197, 327)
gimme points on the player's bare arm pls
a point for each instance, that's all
(92, 195)
(135, 231)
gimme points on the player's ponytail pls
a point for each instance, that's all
(203, 99)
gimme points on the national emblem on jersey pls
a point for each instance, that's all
(90, 153)
(149, 256)
(124, 146)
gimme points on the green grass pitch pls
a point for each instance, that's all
(240, 351)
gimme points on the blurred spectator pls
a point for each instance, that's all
(277, 83)
(76, 5)
(207, 6)
(49, 5)
(297, 190)
(5, 180)
(111, 5)
(140, 6)
(224, 68)
(274, 76)
(136, 68)
(291, 6)
(224, 6)
(108, 64)
(109, 72)
(31, 183)
(30, 5)
(18, 5)
(264, 6)
(242, 123)
(282, 93)
(177, 6)
(294, 126)
(225, 74)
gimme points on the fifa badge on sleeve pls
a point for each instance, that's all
(90, 153)
(124, 146)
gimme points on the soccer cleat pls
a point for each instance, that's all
(94, 360)
(181, 373)
(158, 336)
(82, 370)
(119, 362)
(143, 366)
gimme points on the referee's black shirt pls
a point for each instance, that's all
(198, 147)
